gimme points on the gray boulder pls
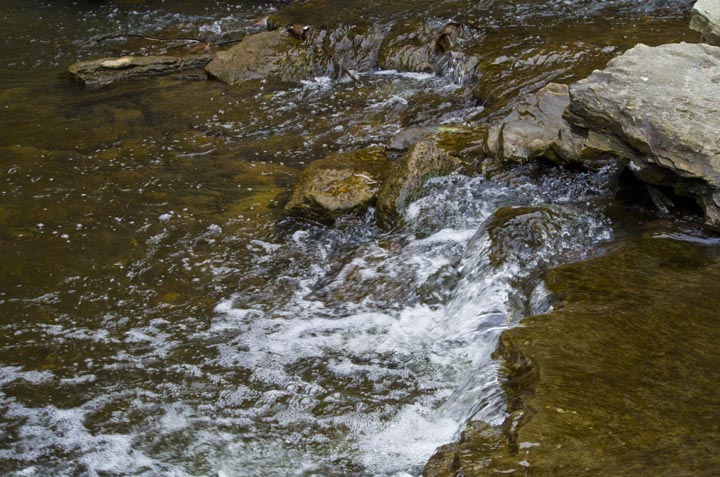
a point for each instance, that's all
(536, 128)
(102, 72)
(662, 106)
(407, 177)
(706, 20)
(339, 184)
(404, 139)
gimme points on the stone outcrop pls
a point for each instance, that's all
(706, 20)
(426, 49)
(536, 128)
(271, 54)
(423, 161)
(102, 72)
(659, 109)
(339, 184)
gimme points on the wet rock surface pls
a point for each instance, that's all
(104, 71)
(431, 48)
(339, 184)
(273, 54)
(536, 128)
(604, 385)
(423, 161)
(661, 105)
(706, 20)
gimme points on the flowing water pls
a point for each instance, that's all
(159, 313)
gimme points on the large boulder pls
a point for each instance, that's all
(271, 54)
(102, 72)
(423, 161)
(339, 184)
(706, 20)
(662, 104)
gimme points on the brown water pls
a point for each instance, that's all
(160, 315)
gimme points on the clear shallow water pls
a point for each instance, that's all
(160, 316)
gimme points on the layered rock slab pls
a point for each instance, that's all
(104, 71)
(661, 106)
(706, 20)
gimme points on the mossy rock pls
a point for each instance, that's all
(339, 184)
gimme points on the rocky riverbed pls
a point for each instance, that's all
(375, 238)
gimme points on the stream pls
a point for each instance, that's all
(161, 315)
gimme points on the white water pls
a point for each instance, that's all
(424, 368)
(362, 355)
(339, 351)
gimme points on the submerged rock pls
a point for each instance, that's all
(407, 177)
(339, 184)
(102, 72)
(275, 54)
(621, 380)
(477, 442)
(660, 108)
(706, 20)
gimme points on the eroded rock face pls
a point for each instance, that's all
(660, 107)
(270, 54)
(536, 128)
(102, 72)
(706, 20)
(426, 48)
(339, 184)
(407, 177)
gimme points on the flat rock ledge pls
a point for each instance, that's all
(104, 71)
(661, 107)
(706, 20)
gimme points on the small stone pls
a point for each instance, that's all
(536, 128)
(339, 184)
